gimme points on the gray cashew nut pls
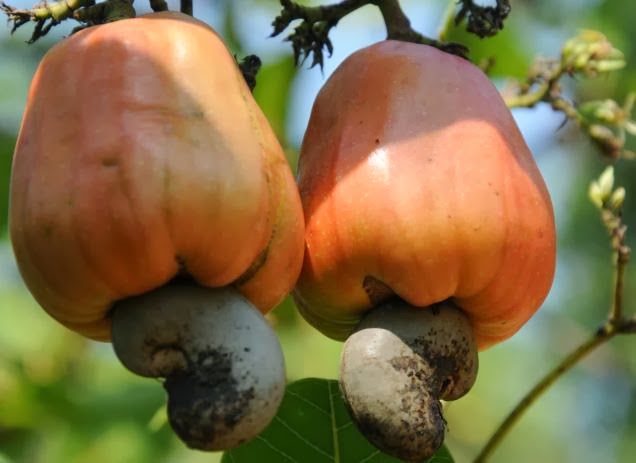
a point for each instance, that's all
(223, 364)
(397, 366)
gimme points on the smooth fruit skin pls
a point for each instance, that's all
(142, 156)
(413, 172)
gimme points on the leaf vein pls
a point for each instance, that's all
(344, 426)
(307, 401)
(301, 437)
(276, 449)
(369, 457)
(334, 428)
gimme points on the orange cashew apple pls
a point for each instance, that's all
(149, 195)
(429, 234)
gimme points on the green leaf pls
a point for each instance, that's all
(313, 426)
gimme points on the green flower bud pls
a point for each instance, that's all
(606, 182)
(594, 193)
(617, 198)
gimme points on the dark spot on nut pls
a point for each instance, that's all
(205, 395)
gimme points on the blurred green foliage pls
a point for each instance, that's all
(64, 399)
(7, 142)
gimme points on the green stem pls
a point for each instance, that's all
(55, 10)
(542, 85)
(621, 258)
(617, 306)
(567, 108)
(448, 22)
(528, 100)
(58, 10)
(531, 397)
(87, 12)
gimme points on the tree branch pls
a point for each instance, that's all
(186, 7)
(311, 37)
(398, 27)
(48, 15)
(604, 334)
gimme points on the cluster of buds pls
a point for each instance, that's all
(607, 123)
(609, 201)
(603, 194)
(590, 54)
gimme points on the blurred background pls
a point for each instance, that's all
(65, 399)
